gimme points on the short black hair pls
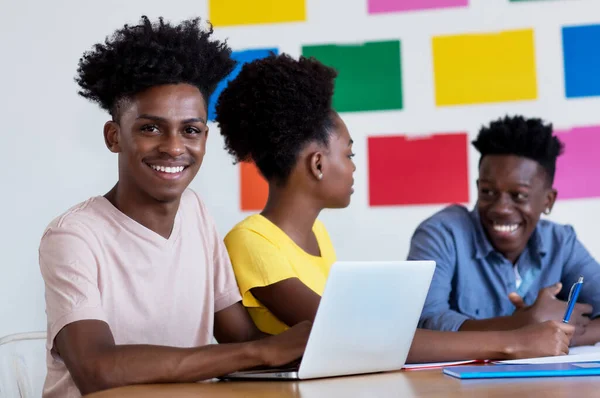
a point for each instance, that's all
(138, 57)
(516, 135)
(273, 108)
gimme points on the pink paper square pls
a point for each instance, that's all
(384, 6)
(578, 168)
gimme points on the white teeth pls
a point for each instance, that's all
(171, 170)
(506, 227)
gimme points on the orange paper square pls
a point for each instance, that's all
(254, 189)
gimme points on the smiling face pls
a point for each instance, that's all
(161, 140)
(513, 191)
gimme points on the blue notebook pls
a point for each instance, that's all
(509, 371)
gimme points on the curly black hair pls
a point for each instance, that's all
(273, 108)
(529, 138)
(138, 57)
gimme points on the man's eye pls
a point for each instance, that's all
(192, 130)
(522, 196)
(150, 128)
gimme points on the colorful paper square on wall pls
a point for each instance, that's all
(385, 6)
(370, 74)
(484, 68)
(254, 189)
(578, 168)
(418, 171)
(241, 57)
(581, 60)
(252, 12)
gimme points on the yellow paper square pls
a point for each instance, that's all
(249, 12)
(484, 68)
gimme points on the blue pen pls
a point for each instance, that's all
(573, 294)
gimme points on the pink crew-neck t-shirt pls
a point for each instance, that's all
(97, 263)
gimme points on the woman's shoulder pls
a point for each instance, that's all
(254, 227)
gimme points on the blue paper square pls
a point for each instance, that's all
(241, 57)
(581, 60)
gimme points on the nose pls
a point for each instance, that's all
(502, 205)
(172, 144)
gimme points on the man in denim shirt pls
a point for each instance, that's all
(499, 266)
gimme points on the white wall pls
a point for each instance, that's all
(55, 157)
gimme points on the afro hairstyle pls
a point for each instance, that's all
(273, 109)
(529, 138)
(138, 57)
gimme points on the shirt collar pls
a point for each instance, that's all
(483, 247)
(536, 243)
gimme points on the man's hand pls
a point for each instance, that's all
(285, 347)
(545, 339)
(547, 307)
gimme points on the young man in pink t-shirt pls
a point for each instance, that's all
(138, 281)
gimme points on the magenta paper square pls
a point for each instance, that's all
(383, 6)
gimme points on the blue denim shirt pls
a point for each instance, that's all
(472, 280)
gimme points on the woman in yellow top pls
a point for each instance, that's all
(278, 114)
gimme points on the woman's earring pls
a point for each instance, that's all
(320, 177)
(547, 211)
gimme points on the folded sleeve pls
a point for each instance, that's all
(579, 262)
(257, 262)
(226, 288)
(432, 242)
(69, 269)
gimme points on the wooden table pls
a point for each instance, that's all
(419, 383)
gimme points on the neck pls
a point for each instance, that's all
(152, 214)
(294, 213)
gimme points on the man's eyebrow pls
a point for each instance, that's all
(195, 120)
(163, 120)
(152, 117)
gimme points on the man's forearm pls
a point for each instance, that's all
(498, 324)
(139, 364)
(436, 346)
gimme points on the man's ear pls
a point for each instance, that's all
(112, 135)
(550, 199)
(205, 139)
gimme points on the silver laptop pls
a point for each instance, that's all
(365, 323)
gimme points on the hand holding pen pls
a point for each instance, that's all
(547, 307)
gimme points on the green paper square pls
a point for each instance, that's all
(369, 74)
